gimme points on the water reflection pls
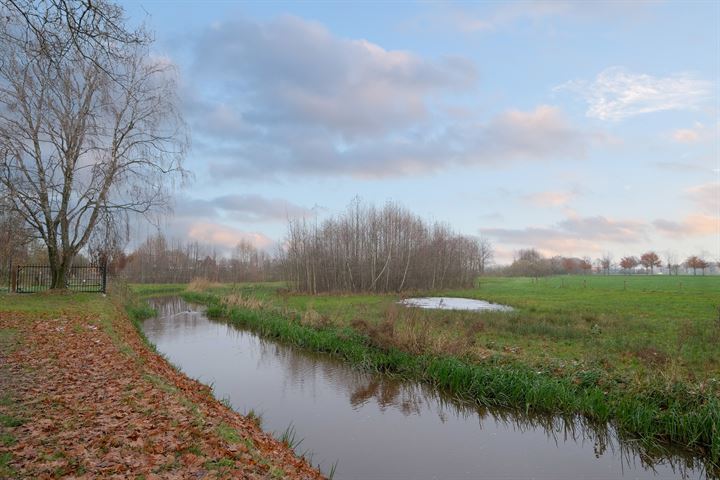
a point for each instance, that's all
(377, 426)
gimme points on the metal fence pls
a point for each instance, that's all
(37, 278)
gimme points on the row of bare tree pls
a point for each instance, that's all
(159, 260)
(532, 263)
(380, 250)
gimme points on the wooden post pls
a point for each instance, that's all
(104, 277)
(13, 279)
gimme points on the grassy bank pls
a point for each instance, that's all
(81, 395)
(639, 352)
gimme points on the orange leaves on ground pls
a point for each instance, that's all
(97, 403)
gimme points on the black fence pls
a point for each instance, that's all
(37, 278)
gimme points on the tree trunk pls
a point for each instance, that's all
(59, 267)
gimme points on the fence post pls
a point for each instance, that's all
(104, 277)
(13, 279)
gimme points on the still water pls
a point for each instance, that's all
(377, 427)
(452, 303)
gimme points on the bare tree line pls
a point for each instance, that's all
(159, 260)
(389, 249)
(531, 263)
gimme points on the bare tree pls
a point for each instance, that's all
(530, 263)
(671, 262)
(383, 250)
(606, 262)
(89, 128)
(88, 28)
(486, 254)
(650, 260)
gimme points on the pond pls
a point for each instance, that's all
(452, 303)
(376, 426)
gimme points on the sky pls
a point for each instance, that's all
(577, 128)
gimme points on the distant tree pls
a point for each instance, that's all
(692, 262)
(16, 239)
(703, 264)
(586, 265)
(671, 262)
(571, 265)
(485, 254)
(629, 263)
(650, 260)
(606, 263)
(696, 263)
(530, 263)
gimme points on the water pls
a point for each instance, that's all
(452, 303)
(375, 426)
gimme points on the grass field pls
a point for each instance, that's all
(627, 325)
(639, 351)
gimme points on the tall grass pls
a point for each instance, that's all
(655, 413)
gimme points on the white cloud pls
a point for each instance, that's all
(293, 71)
(616, 93)
(697, 133)
(249, 208)
(574, 235)
(542, 134)
(287, 97)
(706, 197)
(224, 236)
(549, 198)
(693, 225)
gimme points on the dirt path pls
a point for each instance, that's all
(81, 396)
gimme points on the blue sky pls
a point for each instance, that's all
(574, 127)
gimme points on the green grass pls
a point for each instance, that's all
(639, 352)
(631, 325)
(227, 433)
(46, 304)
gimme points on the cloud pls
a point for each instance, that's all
(686, 135)
(691, 226)
(549, 199)
(225, 236)
(255, 208)
(574, 235)
(292, 71)
(542, 134)
(287, 97)
(704, 221)
(698, 133)
(241, 207)
(616, 93)
(706, 197)
(470, 19)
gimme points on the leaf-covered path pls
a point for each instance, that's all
(82, 396)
